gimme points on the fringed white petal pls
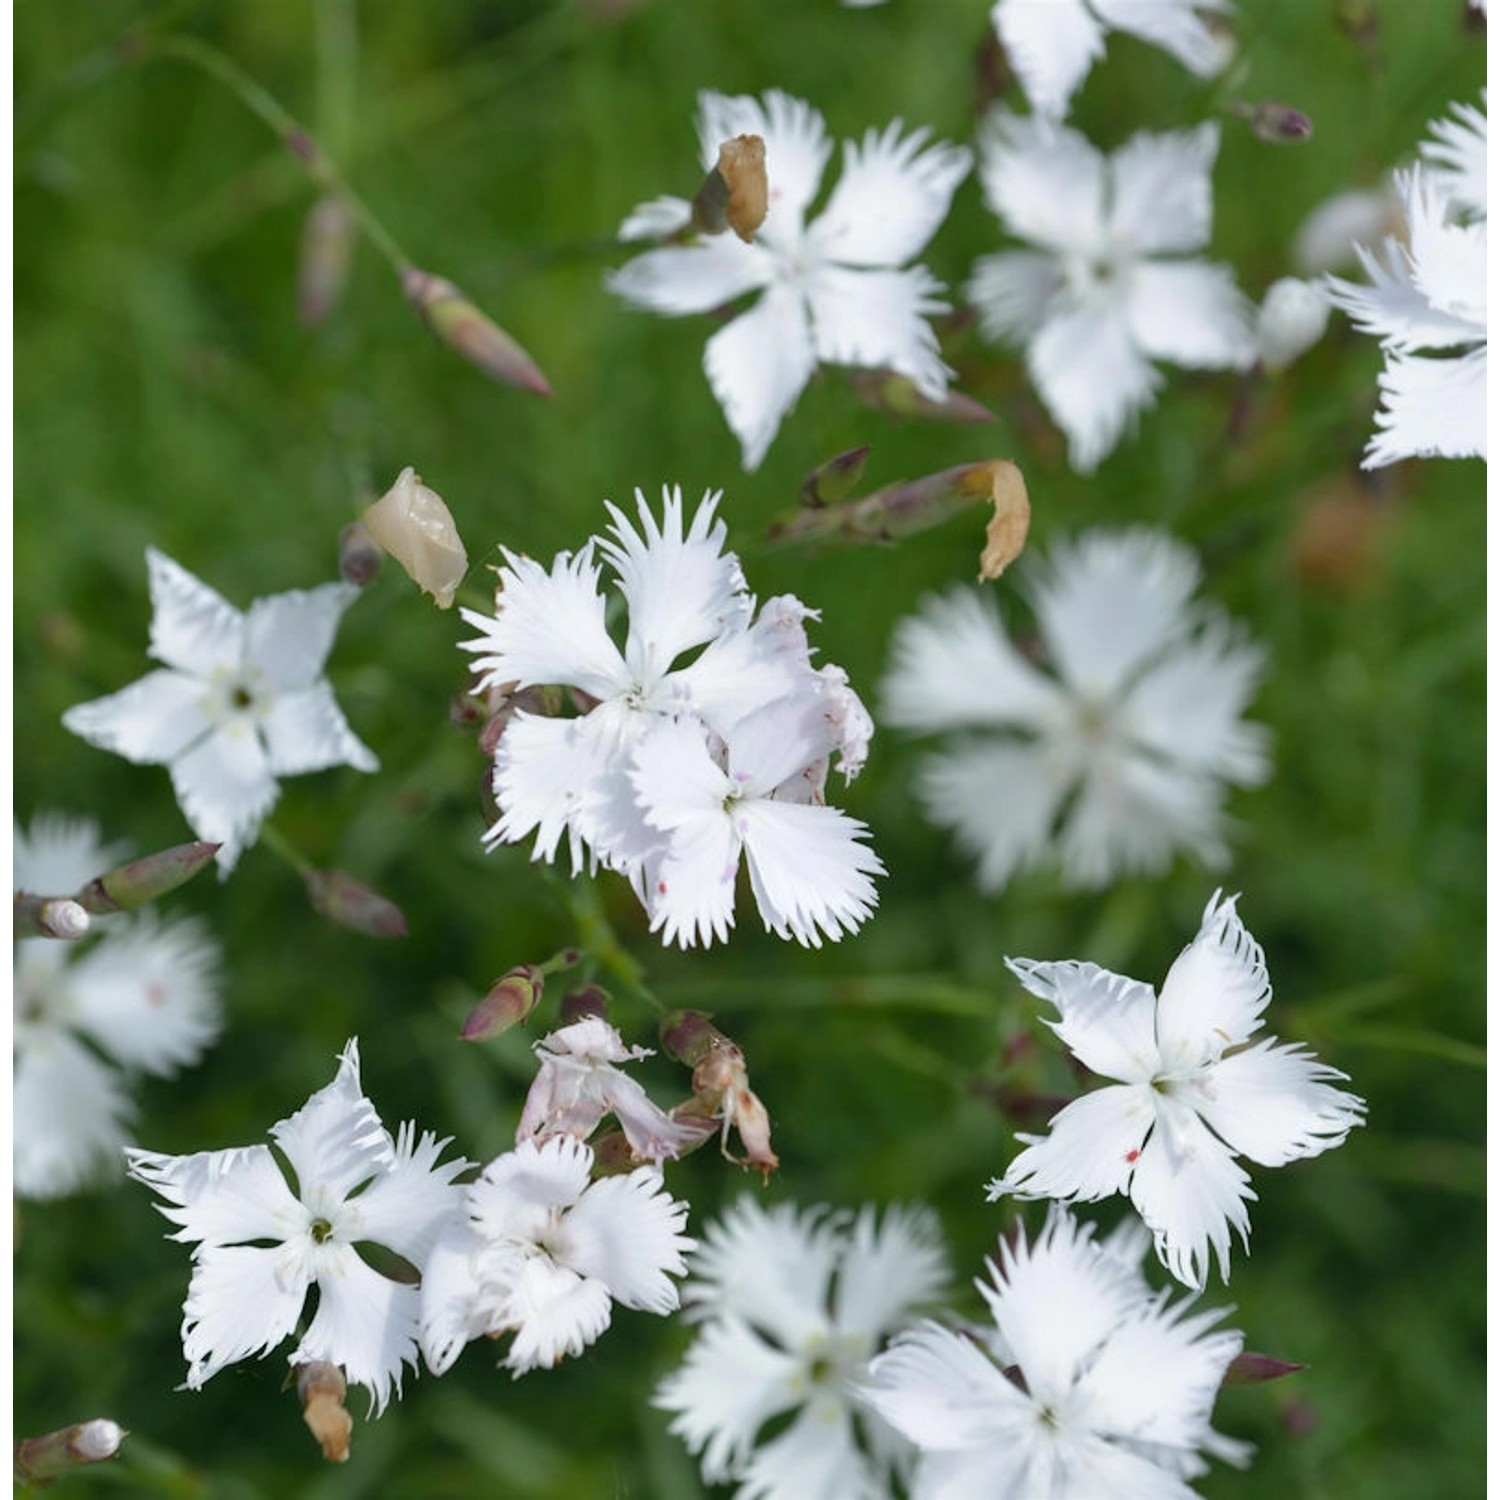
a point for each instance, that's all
(1090, 1150)
(68, 1116)
(878, 320)
(1457, 153)
(1051, 45)
(306, 730)
(893, 1265)
(221, 1197)
(1431, 408)
(657, 219)
(1215, 994)
(681, 279)
(225, 788)
(60, 854)
(555, 1313)
(1046, 182)
(289, 636)
(1013, 291)
(1191, 314)
(193, 628)
(1163, 199)
(627, 1232)
(1108, 1022)
(1175, 26)
(241, 1300)
(151, 722)
(406, 1206)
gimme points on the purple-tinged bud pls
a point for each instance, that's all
(341, 898)
(721, 1086)
(147, 878)
(587, 1000)
(52, 1455)
(896, 395)
(1249, 1368)
(835, 480)
(512, 998)
(321, 1388)
(459, 324)
(735, 194)
(688, 1036)
(359, 555)
(328, 235)
(1273, 122)
(48, 916)
(414, 525)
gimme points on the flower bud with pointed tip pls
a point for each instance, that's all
(1271, 121)
(40, 1459)
(147, 878)
(1250, 1368)
(512, 998)
(458, 323)
(587, 1000)
(836, 479)
(328, 235)
(898, 396)
(321, 1388)
(359, 555)
(341, 898)
(411, 522)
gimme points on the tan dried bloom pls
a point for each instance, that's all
(321, 1388)
(735, 194)
(411, 522)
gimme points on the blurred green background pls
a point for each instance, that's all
(166, 396)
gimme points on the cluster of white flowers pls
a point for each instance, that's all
(705, 737)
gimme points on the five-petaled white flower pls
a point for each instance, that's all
(1052, 44)
(1100, 299)
(540, 1251)
(1428, 293)
(1118, 762)
(142, 995)
(835, 291)
(792, 1305)
(1089, 1384)
(240, 701)
(1193, 1094)
(261, 1241)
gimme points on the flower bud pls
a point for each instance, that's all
(40, 1459)
(411, 522)
(587, 1000)
(321, 1388)
(835, 480)
(885, 390)
(1249, 1368)
(359, 555)
(512, 998)
(1274, 122)
(735, 193)
(48, 916)
(1289, 321)
(341, 898)
(327, 245)
(459, 324)
(145, 879)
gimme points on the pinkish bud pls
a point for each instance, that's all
(359, 555)
(328, 235)
(147, 878)
(587, 1000)
(411, 522)
(343, 899)
(1271, 121)
(459, 324)
(1249, 1368)
(512, 998)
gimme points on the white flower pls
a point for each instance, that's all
(1290, 320)
(1052, 44)
(1089, 1385)
(1119, 761)
(808, 870)
(1193, 1094)
(1100, 299)
(1431, 293)
(835, 291)
(541, 1252)
(793, 1304)
(578, 1084)
(261, 1242)
(240, 701)
(141, 996)
(1457, 157)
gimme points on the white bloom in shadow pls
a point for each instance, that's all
(1109, 288)
(834, 290)
(240, 701)
(1118, 761)
(1193, 1094)
(792, 1305)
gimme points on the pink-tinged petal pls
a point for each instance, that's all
(680, 279)
(1045, 182)
(405, 1207)
(306, 730)
(1192, 314)
(1174, 26)
(69, 1113)
(681, 589)
(797, 148)
(555, 1312)
(1191, 1192)
(242, 1300)
(1013, 291)
(1108, 1022)
(1431, 408)
(775, 742)
(454, 1304)
(1274, 1103)
(809, 869)
(1092, 378)
(1051, 44)
(892, 1265)
(288, 636)
(657, 219)
(652, 1133)
(1093, 1147)
(1215, 993)
(890, 198)
(365, 1323)
(627, 1232)
(1163, 199)
(150, 722)
(676, 780)
(225, 788)
(878, 320)
(335, 1141)
(221, 1197)
(758, 365)
(548, 627)
(192, 628)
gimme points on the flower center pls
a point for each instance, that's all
(237, 700)
(321, 1231)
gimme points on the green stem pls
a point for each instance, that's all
(855, 992)
(597, 938)
(278, 843)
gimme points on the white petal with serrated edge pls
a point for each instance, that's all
(148, 994)
(1448, 260)
(1174, 26)
(890, 198)
(1092, 379)
(1274, 1103)
(627, 1232)
(809, 870)
(519, 1191)
(657, 219)
(1108, 1022)
(1045, 182)
(221, 1197)
(1109, 601)
(1013, 291)
(691, 897)
(555, 1313)
(680, 279)
(192, 628)
(816, 1458)
(548, 627)
(1191, 1193)
(1431, 408)
(1457, 154)
(60, 853)
(1192, 314)
(758, 365)
(289, 636)
(69, 1112)
(878, 320)
(1051, 44)
(406, 1206)
(1090, 1151)
(306, 730)
(455, 1305)
(776, 741)
(241, 1300)
(1216, 992)
(892, 1265)
(676, 780)
(150, 722)
(225, 788)
(1163, 198)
